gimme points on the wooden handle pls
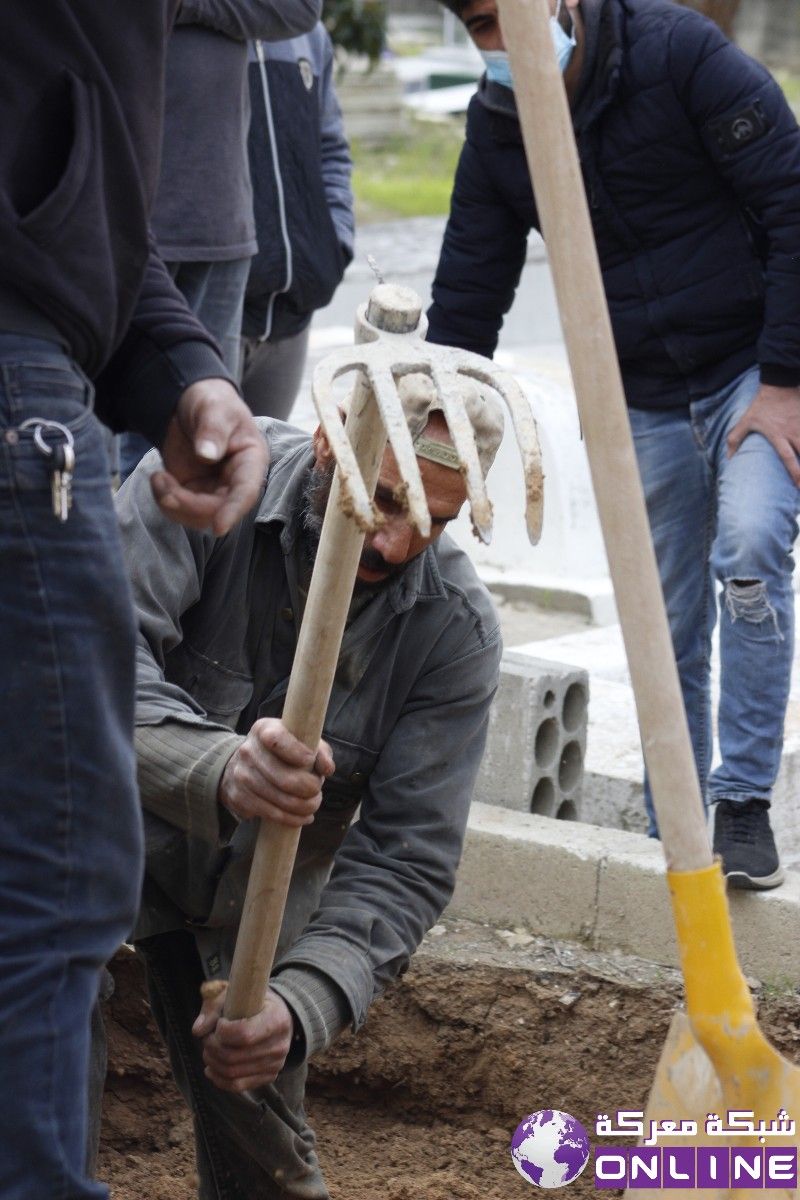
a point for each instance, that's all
(313, 670)
(566, 227)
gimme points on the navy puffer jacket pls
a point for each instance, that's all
(302, 200)
(691, 159)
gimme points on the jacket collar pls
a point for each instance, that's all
(603, 22)
(281, 505)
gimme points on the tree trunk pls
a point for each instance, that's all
(722, 11)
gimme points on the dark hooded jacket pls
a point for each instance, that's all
(300, 167)
(81, 97)
(691, 160)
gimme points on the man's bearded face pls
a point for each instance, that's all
(316, 494)
(395, 542)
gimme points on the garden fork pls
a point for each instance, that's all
(389, 332)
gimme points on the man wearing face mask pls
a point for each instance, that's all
(691, 161)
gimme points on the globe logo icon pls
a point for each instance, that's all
(550, 1148)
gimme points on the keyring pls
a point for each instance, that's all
(38, 424)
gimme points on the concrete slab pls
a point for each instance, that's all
(633, 910)
(599, 651)
(527, 870)
(588, 596)
(607, 889)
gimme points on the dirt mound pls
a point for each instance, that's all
(422, 1103)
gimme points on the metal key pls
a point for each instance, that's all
(61, 460)
(61, 479)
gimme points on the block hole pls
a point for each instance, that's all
(547, 740)
(570, 767)
(576, 702)
(543, 801)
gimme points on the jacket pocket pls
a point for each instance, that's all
(220, 691)
(354, 766)
(47, 217)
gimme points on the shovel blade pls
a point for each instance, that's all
(686, 1087)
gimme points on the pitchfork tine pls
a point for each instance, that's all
(461, 431)
(352, 483)
(412, 491)
(527, 438)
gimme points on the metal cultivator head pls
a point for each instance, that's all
(390, 331)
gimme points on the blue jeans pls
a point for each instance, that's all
(70, 840)
(730, 522)
(215, 293)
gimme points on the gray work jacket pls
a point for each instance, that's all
(406, 721)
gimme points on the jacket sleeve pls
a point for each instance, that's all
(271, 20)
(337, 166)
(481, 261)
(181, 754)
(395, 870)
(165, 349)
(752, 137)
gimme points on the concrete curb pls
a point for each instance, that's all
(606, 889)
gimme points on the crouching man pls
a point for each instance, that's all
(404, 735)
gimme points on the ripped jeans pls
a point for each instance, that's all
(730, 522)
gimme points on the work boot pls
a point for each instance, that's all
(744, 840)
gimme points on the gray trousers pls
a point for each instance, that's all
(215, 293)
(272, 373)
(254, 1147)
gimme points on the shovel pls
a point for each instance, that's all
(390, 331)
(718, 1060)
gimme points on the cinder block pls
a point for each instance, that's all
(536, 746)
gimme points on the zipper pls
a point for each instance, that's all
(273, 143)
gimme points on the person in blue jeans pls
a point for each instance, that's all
(691, 162)
(730, 518)
(91, 329)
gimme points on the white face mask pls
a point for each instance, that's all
(563, 43)
(498, 67)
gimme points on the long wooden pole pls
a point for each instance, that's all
(313, 670)
(566, 227)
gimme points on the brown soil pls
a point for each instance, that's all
(422, 1103)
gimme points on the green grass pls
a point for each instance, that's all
(412, 176)
(791, 87)
(409, 176)
(408, 48)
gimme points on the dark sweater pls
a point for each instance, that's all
(81, 95)
(204, 204)
(691, 160)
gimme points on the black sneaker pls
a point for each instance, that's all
(743, 838)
